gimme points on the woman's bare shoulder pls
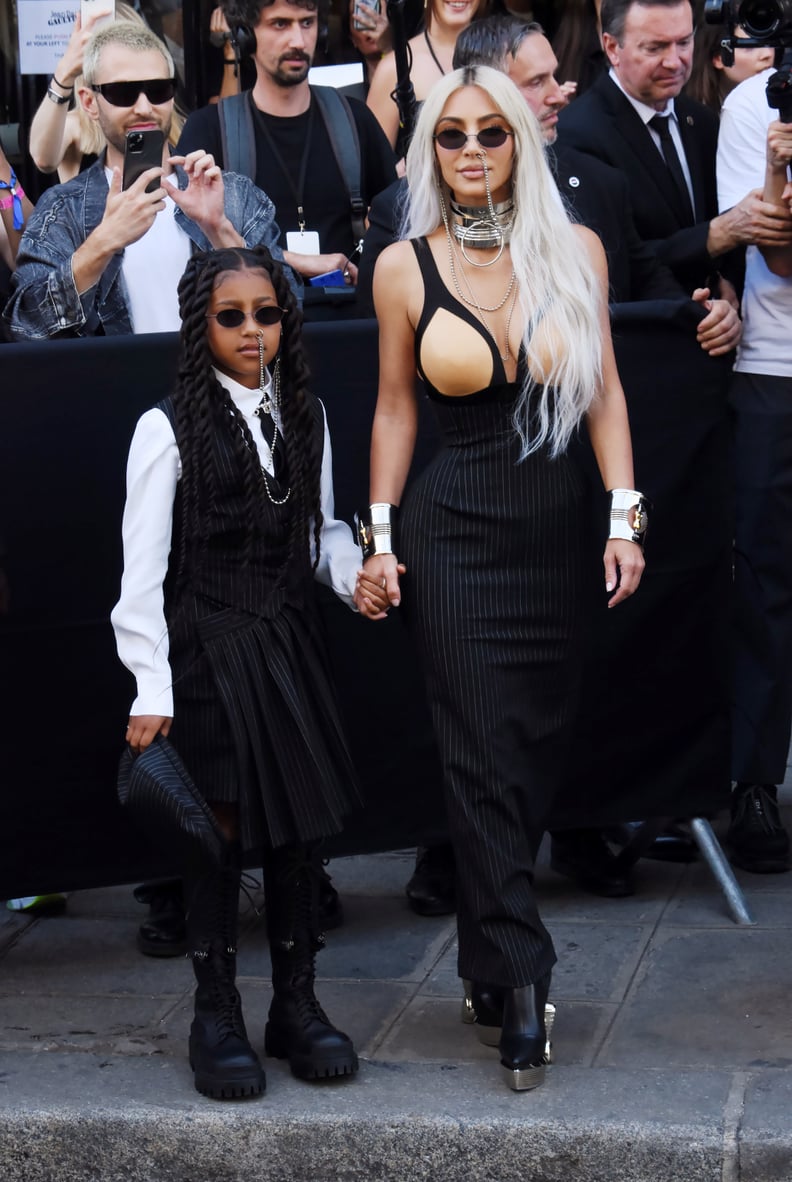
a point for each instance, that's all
(591, 242)
(396, 260)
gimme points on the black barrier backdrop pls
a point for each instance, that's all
(653, 738)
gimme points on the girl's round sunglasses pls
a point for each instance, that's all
(267, 314)
(454, 138)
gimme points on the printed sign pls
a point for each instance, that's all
(45, 27)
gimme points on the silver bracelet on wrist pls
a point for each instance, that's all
(629, 515)
(60, 100)
(376, 532)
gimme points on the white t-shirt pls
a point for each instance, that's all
(766, 346)
(153, 471)
(152, 268)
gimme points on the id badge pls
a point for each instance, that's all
(302, 242)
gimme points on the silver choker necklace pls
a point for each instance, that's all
(485, 227)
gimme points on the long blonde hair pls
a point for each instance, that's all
(557, 283)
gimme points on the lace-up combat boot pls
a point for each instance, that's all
(298, 1028)
(226, 1066)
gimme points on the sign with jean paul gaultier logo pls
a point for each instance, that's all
(45, 27)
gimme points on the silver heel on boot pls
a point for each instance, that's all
(524, 1042)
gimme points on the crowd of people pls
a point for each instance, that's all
(488, 244)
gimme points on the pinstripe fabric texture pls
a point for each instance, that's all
(493, 552)
(255, 716)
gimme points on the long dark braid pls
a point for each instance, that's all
(202, 407)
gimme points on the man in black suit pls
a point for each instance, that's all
(669, 165)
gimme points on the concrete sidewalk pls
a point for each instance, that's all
(673, 1046)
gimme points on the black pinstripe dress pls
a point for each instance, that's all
(255, 715)
(494, 552)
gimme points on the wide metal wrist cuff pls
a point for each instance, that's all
(629, 515)
(377, 528)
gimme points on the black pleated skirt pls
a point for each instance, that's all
(256, 720)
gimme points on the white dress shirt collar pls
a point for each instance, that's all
(643, 109)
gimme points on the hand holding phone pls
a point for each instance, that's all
(143, 151)
(96, 9)
(362, 12)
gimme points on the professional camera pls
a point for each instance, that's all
(766, 22)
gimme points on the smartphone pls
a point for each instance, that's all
(98, 8)
(329, 279)
(143, 150)
(364, 7)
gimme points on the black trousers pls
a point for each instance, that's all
(762, 654)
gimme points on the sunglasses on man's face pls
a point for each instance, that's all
(454, 138)
(267, 314)
(125, 94)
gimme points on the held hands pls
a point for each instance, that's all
(144, 728)
(624, 564)
(378, 586)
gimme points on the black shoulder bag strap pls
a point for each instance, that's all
(342, 131)
(237, 135)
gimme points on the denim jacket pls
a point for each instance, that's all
(44, 300)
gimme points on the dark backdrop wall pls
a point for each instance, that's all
(653, 736)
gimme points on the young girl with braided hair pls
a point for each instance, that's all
(229, 518)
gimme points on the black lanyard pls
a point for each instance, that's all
(299, 189)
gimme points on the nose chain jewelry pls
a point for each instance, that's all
(483, 227)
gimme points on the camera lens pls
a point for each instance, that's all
(760, 18)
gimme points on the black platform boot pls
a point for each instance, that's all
(483, 1007)
(298, 1028)
(226, 1066)
(523, 1043)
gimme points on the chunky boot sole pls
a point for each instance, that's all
(229, 1087)
(523, 1079)
(319, 1063)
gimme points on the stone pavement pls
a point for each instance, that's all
(673, 1047)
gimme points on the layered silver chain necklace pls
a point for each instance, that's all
(482, 228)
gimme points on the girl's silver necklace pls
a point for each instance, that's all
(270, 405)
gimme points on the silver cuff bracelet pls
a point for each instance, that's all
(629, 515)
(376, 534)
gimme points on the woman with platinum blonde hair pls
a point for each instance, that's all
(500, 304)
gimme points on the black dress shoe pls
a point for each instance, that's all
(432, 888)
(757, 837)
(164, 932)
(524, 1047)
(584, 856)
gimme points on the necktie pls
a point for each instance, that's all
(659, 123)
(274, 439)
